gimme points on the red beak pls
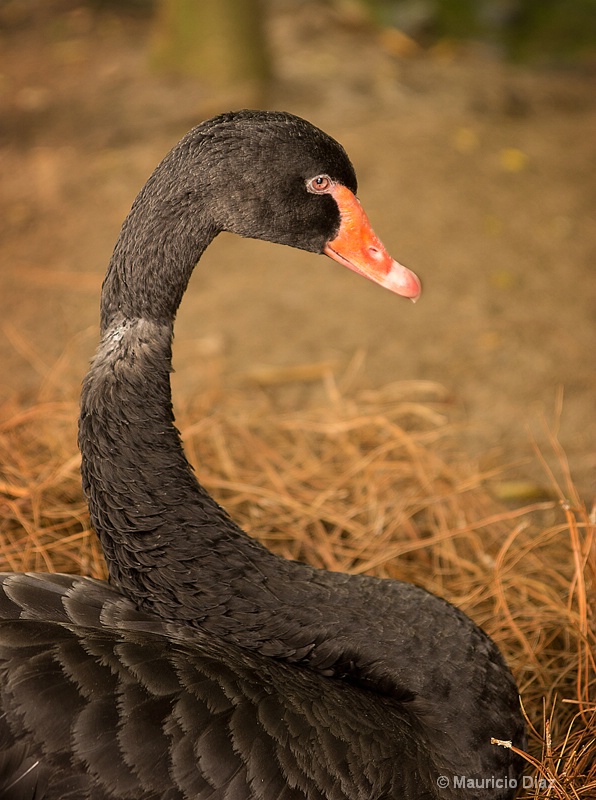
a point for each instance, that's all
(356, 246)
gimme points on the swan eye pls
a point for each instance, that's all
(320, 184)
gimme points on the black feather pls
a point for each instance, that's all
(212, 668)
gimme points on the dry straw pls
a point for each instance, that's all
(365, 483)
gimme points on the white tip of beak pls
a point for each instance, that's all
(402, 281)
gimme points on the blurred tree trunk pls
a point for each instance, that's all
(221, 42)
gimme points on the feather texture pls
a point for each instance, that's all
(155, 710)
(211, 668)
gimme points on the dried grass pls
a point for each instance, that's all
(368, 483)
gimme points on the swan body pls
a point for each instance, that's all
(209, 667)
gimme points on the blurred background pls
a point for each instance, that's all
(472, 127)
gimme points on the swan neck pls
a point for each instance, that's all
(149, 511)
(162, 239)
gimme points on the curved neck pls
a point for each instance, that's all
(161, 240)
(172, 549)
(146, 505)
(175, 552)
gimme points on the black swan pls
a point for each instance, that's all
(209, 667)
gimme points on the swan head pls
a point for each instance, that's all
(274, 176)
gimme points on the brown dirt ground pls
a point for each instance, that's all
(477, 174)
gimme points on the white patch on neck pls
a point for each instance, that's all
(131, 342)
